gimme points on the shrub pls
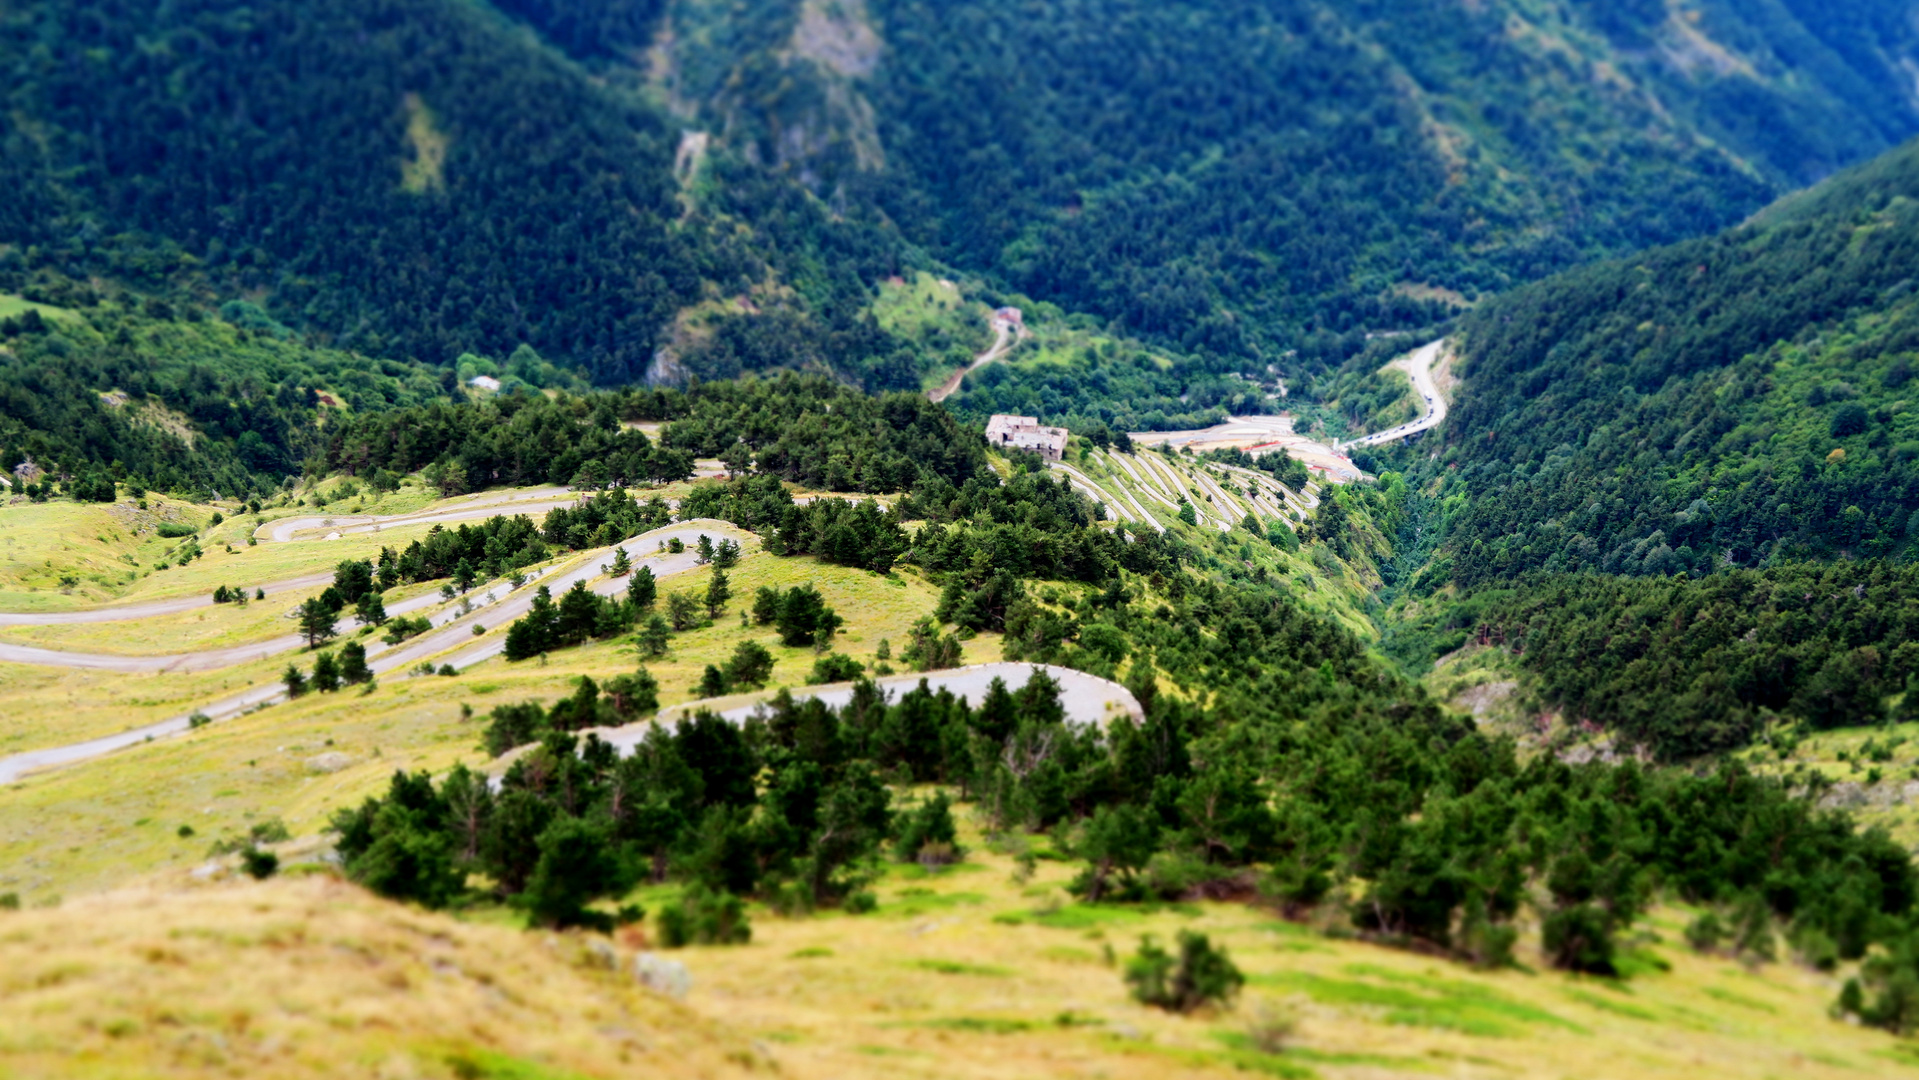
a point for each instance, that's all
(171, 531)
(1272, 1026)
(577, 863)
(634, 695)
(652, 636)
(401, 628)
(682, 611)
(927, 834)
(803, 617)
(353, 667)
(259, 864)
(749, 666)
(1579, 938)
(703, 916)
(1201, 975)
(1706, 933)
(835, 667)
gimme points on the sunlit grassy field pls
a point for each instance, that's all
(74, 829)
(979, 970)
(314, 978)
(974, 973)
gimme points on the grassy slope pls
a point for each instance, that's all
(965, 974)
(97, 824)
(1850, 759)
(970, 973)
(946, 329)
(1340, 595)
(316, 978)
(974, 974)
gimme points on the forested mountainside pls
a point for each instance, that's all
(1732, 400)
(687, 188)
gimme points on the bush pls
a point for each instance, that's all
(171, 531)
(401, 628)
(749, 666)
(259, 864)
(1579, 938)
(927, 834)
(1201, 975)
(93, 488)
(802, 616)
(1706, 933)
(577, 863)
(703, 916)
(835, 667)
(1272, 1026)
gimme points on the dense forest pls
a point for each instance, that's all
(1732, 401)
(184, 402)
(806, 429)
(418, 181)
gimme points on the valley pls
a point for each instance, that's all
(564, 539)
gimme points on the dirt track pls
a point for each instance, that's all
(1004, 334)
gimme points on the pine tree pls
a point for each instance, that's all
(372, 609)
(353, 669)
(642, 589)
(316, 621)
(652, 637)
(326, 673)
(296, 682)
(718, 592)
(622, 565)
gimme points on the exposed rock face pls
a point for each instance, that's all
(330, 762)
(1850, 795)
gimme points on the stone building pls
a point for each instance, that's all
(1025, 433)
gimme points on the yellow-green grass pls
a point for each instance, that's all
(71, 830)
(315, 978)
(971, 973)
(932, 312)
(216, 627)
(1843, 757)
(94, 541)
(967, 973)
(42, 707)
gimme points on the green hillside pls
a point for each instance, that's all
(686, 188)
(1737, 400)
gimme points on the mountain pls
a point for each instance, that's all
(640, 188)
(1737, 400)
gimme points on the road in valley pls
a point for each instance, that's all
(1419, 365)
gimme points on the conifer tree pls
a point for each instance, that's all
(326, 673)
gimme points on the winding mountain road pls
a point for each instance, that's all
(447, 635)
(1420, 367)
(1005, 334)
(536, 501)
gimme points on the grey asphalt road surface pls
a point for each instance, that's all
(1421, 370)
(643, 548)
(536, 501)
(1087, 699)
(150, 608)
